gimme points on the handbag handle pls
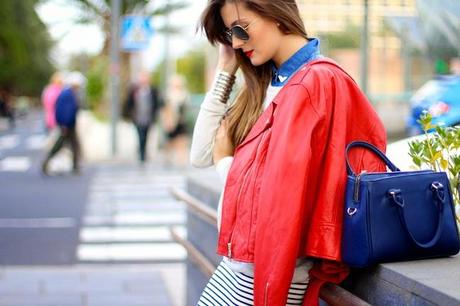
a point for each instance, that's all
(438, 196)
(373, 149)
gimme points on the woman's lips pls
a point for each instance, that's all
(249, 53)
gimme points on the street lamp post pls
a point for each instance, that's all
(167, 64)
(365, 48)
(114, 72)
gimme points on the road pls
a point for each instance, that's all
(103, 235)
(109, 213)
(39, 215)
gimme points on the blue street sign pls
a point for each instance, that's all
(135, 32)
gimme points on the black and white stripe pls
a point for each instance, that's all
(227, 287)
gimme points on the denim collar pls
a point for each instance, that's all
(305, 54)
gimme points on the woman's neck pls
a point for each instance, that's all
(289, 46)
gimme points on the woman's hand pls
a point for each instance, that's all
(222, 145)
(227, 59)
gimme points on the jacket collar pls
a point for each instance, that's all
(304, 55)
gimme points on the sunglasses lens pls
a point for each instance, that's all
(240, 33)
(237, 31)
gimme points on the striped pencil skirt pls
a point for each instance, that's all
(229, 288)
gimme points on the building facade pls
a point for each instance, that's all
(386, 65)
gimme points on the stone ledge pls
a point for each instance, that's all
(423, 282)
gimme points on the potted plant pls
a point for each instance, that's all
(439, 150)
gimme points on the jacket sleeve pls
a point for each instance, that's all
(323, 271)
(206, 126)
(283, 193)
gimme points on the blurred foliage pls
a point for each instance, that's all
(79, 62)
(95, 68)
(350, 38)
(25, 44)
(157, 75)
(192, 67)
(439, 150)
(97, 80)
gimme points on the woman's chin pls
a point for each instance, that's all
(255, 61)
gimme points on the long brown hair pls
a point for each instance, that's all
(248, 105)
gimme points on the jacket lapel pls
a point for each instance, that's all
(264, 122)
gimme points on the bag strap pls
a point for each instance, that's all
(439, 196)
(371, 148)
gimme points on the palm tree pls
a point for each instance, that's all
(99, 12)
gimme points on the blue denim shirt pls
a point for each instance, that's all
(305, 54)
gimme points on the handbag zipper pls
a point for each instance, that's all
(357, 181)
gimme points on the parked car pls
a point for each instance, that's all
(441, 98)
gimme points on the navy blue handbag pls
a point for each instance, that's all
(397, 215)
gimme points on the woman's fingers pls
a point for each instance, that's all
(223, 145)
(227, 59)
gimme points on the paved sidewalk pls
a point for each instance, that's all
(129, 213)
(93, 285)
(125, 256)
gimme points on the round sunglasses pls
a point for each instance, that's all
(239, 31)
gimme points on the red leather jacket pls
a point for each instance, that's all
(285, 190)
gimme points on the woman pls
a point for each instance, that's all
(280, 148)
(49, 97)
(175, 120)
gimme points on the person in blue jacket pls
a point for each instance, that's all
(67, 105)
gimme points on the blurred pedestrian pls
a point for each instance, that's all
(175, 120)
(49, 97)
(6, 105)
(141, 107)
(280, 150)
(67, 105)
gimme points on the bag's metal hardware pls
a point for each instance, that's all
(357, 181)
(395, 195)
(439, 194)
(437, 186)
(351, 211)
(356, 191)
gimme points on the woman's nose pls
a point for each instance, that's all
(237, 43)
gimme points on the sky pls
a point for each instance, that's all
(74, 39)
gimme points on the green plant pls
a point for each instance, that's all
(439, 150)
